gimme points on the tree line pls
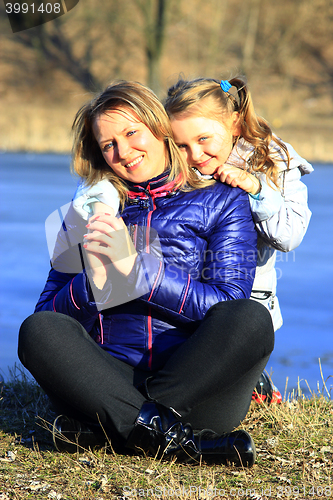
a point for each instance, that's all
(148, 40)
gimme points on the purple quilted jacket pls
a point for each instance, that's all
(194, 249)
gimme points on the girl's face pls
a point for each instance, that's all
(205, 143)
(129, 147)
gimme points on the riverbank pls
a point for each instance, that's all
(43, 122)
(293, 440)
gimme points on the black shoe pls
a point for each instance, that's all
(73, 436)
(235, 448)
(157, 431)
(265, 391)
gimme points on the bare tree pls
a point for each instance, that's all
(57, 49)
(154, 15)
(251, 35)
(99, 41)
(90, 44)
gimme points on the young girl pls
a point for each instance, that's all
(220, 135)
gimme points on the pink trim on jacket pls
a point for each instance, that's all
(150, 339)
(72, 296)
(101, 325)
(156, 280)
(185, 295)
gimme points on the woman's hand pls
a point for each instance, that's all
(237, 177)
(97, 263)
(108, 241)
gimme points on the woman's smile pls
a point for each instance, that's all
(134, 164)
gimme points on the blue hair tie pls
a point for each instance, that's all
(225, 85)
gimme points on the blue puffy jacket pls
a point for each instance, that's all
(194, 248)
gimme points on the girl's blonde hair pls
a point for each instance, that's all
(204, 96)
(88, 161)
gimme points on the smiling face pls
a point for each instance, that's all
(129, 147)
(204, 142)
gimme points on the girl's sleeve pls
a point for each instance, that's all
(282, 216)
(266, 203)
(85, 196)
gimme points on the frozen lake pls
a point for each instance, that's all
(33, 186)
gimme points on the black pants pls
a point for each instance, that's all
(209, 380)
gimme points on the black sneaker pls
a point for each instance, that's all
(265, 391)
(76, 437)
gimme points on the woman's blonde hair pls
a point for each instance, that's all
(88, 161)
(205, 97)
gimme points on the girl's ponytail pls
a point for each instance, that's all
(256, 131)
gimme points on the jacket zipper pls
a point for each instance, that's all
(149, 319)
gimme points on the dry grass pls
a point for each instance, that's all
(294, 442)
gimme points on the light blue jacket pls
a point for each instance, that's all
(282, 217)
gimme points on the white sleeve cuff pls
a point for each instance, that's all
(266, 203)
(85, 196)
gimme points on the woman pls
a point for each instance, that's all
(153, 338)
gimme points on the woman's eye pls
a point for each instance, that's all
(203, 139)
(132, 132)
(108, 146)
(181, 146)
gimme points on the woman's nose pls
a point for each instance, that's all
(124, 149)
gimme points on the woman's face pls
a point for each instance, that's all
(128, 146)
(205, 143)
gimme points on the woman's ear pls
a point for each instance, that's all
(235, 124)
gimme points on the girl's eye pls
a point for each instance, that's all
(132, 132)
(202, 139)
(181, 146)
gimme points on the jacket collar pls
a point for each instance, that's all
(154, 188)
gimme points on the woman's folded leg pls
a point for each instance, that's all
(77, 374)
(209, 380)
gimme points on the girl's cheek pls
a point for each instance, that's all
(224, 150)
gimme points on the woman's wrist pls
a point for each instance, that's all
(98, 279)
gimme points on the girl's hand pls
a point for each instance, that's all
(108, 241)
(237, 177)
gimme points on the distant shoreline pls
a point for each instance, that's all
(316, 154)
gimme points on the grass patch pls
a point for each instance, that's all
(294, 442)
